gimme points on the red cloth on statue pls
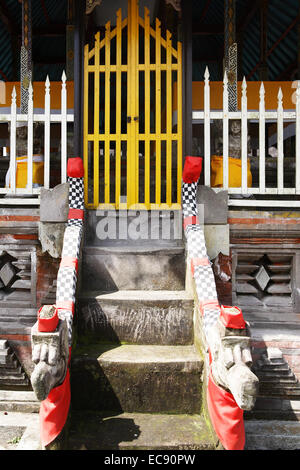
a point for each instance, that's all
(227, 418)
(192, 169)
(55, 409)
(75, 167)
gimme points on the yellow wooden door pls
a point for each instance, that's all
(133, 116)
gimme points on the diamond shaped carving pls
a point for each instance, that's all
(7, 273)
(262, 278)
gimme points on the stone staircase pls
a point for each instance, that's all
(274, 423)
(136, 376)
(11, 372)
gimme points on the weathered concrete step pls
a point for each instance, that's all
(267, 407)
(277, 378)
(6, 356)
(19, 401)
(139, 317)
(143, 379)
(11, 366)
(272, 435)
(273, 367)
(128, 431)
(17, 379)
(10, 370)
(131, 227)
(133, 268)
(276, 372)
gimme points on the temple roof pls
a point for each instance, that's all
(49, 19)
(282, 38)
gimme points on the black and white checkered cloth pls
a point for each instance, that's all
(196, 249)
(66, 285)
(72, 241)
(76, 193)
(67, 275)
(189, 205)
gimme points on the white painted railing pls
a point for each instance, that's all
(262, 117)
(31, 193)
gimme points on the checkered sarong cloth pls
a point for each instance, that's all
(67, 275)
(196, 249)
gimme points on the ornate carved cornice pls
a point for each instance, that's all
(176, 4)
(90, 5)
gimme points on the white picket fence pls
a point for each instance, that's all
(31, 194)
(262, 116)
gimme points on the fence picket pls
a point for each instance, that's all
(262, 116)
(47, 135)
(13, 125)
(225, 132)
(262, 140)
(280, 167)
(244, 138)
(206, 128)
(297, 183)
(30, 139)
(30, 118)
(63, 129)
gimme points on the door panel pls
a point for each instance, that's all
(133, 116)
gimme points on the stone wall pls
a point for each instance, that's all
(31, 285)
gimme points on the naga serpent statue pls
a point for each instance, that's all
(232, 387)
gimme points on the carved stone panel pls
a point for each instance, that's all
(265, 279)
(17, 276)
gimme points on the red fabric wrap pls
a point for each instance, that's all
(66, 306)
(231, 319)
(76, 214)
(46, 325)
(213, 303)
(55, 409)
(68, 262)
(192, 169)
(75, 167)
(192, 220)
(226, 416)
(199, 262)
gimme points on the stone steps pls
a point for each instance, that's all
(138, 431)
(19, 401)
(272, 435)
(7, 357)
(16, 380)
(113, 268)
(139, 317)
(11, 372)
(137, 378)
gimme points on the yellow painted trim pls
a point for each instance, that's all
(158, 112)
(85, 123)
(169, 122)
(107, 116)
(147, 105)
(118, 110)
(96, 121)
(179, 123)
